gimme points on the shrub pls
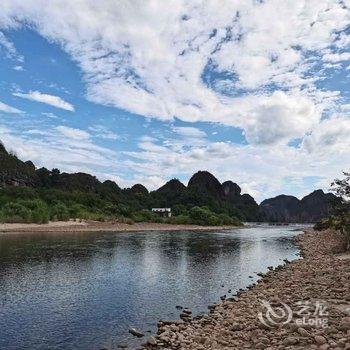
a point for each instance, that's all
(179, 220)
(199, 215)
(229, 220)
(214, 220)
(125, 220)
(40, 215)
(146, 216)
(322, 225)
(39, 212)
(179, 209)
(59, 212)
(77, 211)
(15, 212)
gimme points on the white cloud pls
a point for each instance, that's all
(189, 132)
(149, 58)
(75, 134)
(65, 148)
(9, 48)
(336, 57)
(230, 63)
(280, 117)
(103, 132)
(8, 109)
(262, 172)
(52, 100)
(331, 136)
(50, 115)
(18, 68)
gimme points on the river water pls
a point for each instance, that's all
(85, 290)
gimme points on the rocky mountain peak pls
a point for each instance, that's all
(139, 189)
(311, 208)
(230, 189)
(205, 181)
(174, 185)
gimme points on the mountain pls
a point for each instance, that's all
(172, 193)
(203, 190)
(14, 172)
(139, 189)
(174, 186)
(206, 183)
(313, 207)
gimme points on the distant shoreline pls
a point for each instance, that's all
(95, 226)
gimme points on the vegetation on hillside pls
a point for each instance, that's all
(39, 205)
(28, 194)
(340, 220)
(35, 195)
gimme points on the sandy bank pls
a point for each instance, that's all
(308, 307)
(94, 226)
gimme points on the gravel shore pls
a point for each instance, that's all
(309, 302)
(97, 226)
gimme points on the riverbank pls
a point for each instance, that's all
(96, 226)
(313, 295)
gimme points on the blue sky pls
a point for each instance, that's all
(141, 93)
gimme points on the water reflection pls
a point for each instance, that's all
(84, 291)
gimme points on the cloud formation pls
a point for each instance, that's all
(51, 100)
(9, 49)
(261, 171)
(71, 133)
(153, 58)
(65, 148)
(231, 63)
(8, 109)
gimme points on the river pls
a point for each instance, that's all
(85, 290)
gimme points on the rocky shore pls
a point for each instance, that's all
(304, 304)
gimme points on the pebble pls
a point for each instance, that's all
(320, 340)
(136, 333)
(233, 323)
(303, 332)
(152, 341)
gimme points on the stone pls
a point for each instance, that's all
(152, 341)
(303, 332)
(136, 333)
(290, 341)
(324, 347)
(320, 340)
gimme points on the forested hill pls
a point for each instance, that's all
(83, 195)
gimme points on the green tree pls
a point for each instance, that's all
(341, 220)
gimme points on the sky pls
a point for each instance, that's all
(136, 91)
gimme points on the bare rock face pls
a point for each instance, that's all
(231, 189)
(313, 207)
(14, 172)
(228, 192)
(206, 183)
(317, 205)
(281, 208)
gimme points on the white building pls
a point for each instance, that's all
(164, 212)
